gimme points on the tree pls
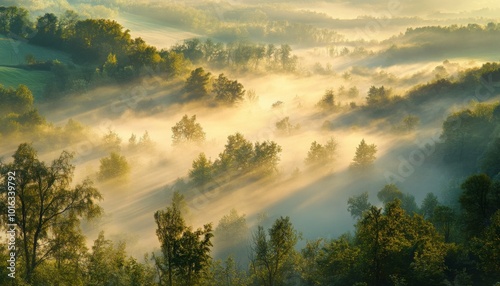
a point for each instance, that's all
(488, 250)
(410, 122)
(237, 155)
(389, 193)
(378, 96)
(110, 67)
(108, 264)
(491, 159)
(408, 204)
(18, 100)
(357, 205)
(202, 170)
(266, 157)
(397, 247)
(365, 156)
(227, 273)
(48, 31)
(479, 200)
(170, 228)
(429, 204)
(443, 219)
(111, 142)
(186, 253)
(272, 255)
(114, 166)
(187, 130)
(231, 234)
(45, 198)
(228, 91)
(94, 39)
(327, 102)
(321, 156)
(284, 127)
(338, 262)
(197, 84)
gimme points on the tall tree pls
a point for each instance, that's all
(429, 204)
(365, 156)
(398, 247)
(273, 254)
(479, 200)
(45, 197)
(231, 235)
(186, 253)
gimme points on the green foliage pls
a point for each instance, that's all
(94, 39)
(197, 84)
(108, 264)
(378, 96)
(266, 157)
(241, 157)
(389, 193)
(228, 91)
(17, 101)
(187, 130)
(202, 170)
(394, 245)
(112, 167)
(230, 236)
(15, 21)
(272, 255)
(428, 206)
(480, 200)
(186, 253)
(238, 55)
(463, 134)
(52, 200)
(491, 159)
(443, 219)
(408, 124)
(227, 273)
(365, 156)
(237, 156)
(321, 156)
(338, 262)
(488, 250)
(357, 205)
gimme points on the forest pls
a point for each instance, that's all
(249, 143)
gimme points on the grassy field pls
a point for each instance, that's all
(35, 80)
(13, 53)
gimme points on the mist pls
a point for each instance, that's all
(395, 74)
